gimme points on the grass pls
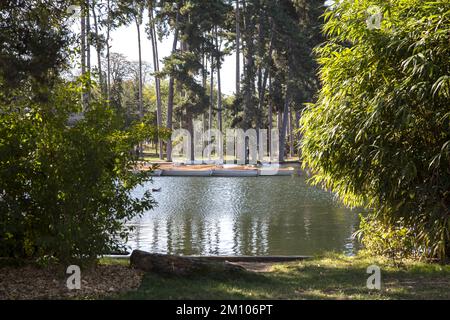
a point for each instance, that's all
(329, 277)
(114, 261)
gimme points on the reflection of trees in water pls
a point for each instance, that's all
(243, 218)
(250, 236)
(155, 236)
(213, 238)
(189, 235)
(299, 234)
(169, 235)
(277, 233)
(138, 235)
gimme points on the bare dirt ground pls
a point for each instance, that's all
(32, 283)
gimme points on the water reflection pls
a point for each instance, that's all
(243, 216)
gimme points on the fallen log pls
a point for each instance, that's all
(254, 259)
(179, 265)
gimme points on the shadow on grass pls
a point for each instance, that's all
(331, 277)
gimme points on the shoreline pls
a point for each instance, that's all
(167, 169)
(327, 276)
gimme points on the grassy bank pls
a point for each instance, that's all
(329, 277)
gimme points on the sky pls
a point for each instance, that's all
(124, 41)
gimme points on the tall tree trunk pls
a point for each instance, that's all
(279, 119)
(260, 82)
(285, 121)
(261, 47)
(238, 48)
(204, 69)
(154, 40)
(83, 53)
(170, 98)
(219, 100)
(264, 76)
(249, 68)
(99, 50)
(219, 84)
(262, 88)
(298, 135)
(190, 128)
(108, 57)
(291, 135)
(204, 84)
(138, 20)
(219, 93)
(88, 47)
(88, 37)
(141, 103)
(270, 115)
(211, 100)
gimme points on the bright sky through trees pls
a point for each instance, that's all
(124, 41)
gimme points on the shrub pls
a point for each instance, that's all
(379, 134)
(394, 241)
(66, 191)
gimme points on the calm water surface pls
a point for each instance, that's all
(243, 216)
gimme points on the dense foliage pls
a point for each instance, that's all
(379, 135)
(65, 185)
(270, 40)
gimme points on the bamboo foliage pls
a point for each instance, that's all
(379, 134)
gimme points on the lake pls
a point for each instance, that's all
(243, 216)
